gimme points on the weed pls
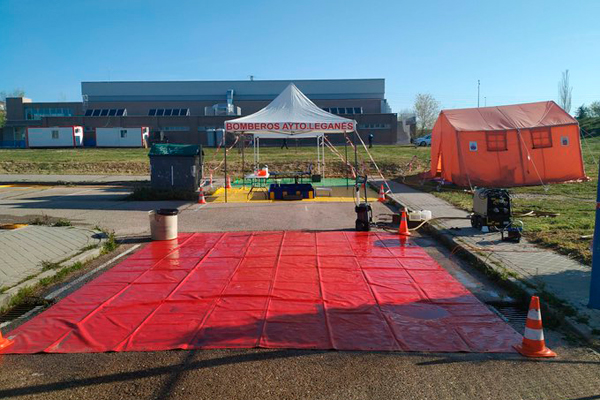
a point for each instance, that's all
(110, 244)
(43, 220)
(48, 265)
(62, 222)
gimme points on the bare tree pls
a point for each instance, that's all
(427, 109)
(564, 91)
(14, 93)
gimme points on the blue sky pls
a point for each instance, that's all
(516, 48)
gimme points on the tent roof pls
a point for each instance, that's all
(516, 116)
(291, 113)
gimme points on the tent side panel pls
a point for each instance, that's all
(563, 161)
(436, 146)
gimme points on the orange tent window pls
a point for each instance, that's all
(541, 138)
(496, 141)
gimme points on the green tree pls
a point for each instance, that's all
(582, 112)
(594, 109)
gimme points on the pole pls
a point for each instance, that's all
(346, 159)
(243, 161)
(595, 280)
(355, 155)
(478, 84)
(225, 149)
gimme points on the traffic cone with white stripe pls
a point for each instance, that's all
(4, 342)
(403, 231)
(201, 199)
(533, 340)
(381, 198)
(228, 183)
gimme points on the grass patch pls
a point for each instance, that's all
(145, 193)
(62, 222)
(45, 220)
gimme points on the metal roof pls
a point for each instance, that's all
(243, 90)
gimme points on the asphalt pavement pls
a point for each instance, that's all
(278, 374)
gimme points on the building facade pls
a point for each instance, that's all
(194, 112)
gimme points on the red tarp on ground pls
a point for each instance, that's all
(325, 290)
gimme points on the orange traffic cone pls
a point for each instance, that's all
(201, 199)
(381, 198)
(228, 183)
(533, 340)
(4, 342)
(403, 231)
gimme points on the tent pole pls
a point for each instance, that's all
(225, 149)
(355, 154)
(243, 161)
(346, 159)
(323, 153)
(318, 157)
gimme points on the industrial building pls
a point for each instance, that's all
(194, 112)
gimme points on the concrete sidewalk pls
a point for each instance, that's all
(535, 267)
(7, 179)
(24, 250)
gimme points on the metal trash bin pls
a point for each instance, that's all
(175, 166)
(163, 224)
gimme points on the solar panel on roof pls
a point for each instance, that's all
(160, 112)
(121, 112)
(168, 112)
(184, 111)
(175, 112)
(88, 113)
(152, 112)
(112, 112)
(96, 113)
(104, 113)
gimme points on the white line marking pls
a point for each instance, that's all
(83, 277)
(199, 207)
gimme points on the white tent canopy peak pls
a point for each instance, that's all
(291, 113)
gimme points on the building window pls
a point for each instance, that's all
(496, 141)
(54, 134)
(123, 133)
(106, 112)
(374, 126)
(564, 140)
(541, 138)
(39, 113)
(169, 112)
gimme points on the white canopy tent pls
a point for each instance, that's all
(291, 115)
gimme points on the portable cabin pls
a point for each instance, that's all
(55, 136)
(122, 137)
(512, 145)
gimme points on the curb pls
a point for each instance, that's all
(511, 282)
(84, 257)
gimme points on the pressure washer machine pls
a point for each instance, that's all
(492, 209)
(364, 212)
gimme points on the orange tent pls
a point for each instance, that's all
(520, 144)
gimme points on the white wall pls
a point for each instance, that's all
(64, 136)
(120, 137)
